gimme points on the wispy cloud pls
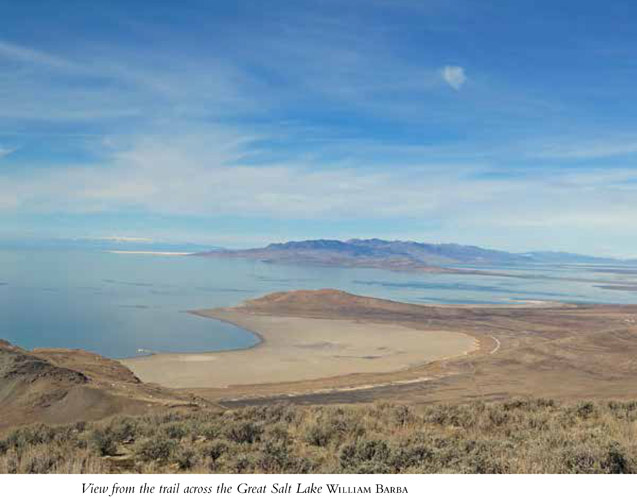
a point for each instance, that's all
(110, 85)
(32, 56)
(310, 111)
(205, 175)
(4, 151)
(586, 150)
(454, 76)
(119, 239)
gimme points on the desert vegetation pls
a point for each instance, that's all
(519, 436)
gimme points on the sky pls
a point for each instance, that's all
(503, 124)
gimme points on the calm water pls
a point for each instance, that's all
(117, 304)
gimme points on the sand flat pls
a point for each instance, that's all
(295, 348)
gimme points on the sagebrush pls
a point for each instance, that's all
(521, 436)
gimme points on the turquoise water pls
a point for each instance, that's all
(122, 305)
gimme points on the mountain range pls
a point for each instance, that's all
(401, 255)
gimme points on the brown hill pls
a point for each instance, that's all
(64, 385)
(322, 302)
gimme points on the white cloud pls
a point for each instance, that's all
(122, 239)
(26, 54)
(454, 76)
(6, 151)
(204, 174)
(112, 85)
(588, 150)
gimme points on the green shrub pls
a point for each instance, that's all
(103, 442)
(528, 436)
(186, 458)
(159, 449)
(216, 449)
(279, 432)
(124, 429)
(585, 409)
(174, 431)
(318, 435)
(244, 432)
(411, 456)
(617, 461)
(366, 456)
(211, 431)
(403, 415)
(241, 463)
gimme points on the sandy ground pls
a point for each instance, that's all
(295, 349)
(562, 351)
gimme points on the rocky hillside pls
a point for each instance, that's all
(63, 385)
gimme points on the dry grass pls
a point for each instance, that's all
(525, 436)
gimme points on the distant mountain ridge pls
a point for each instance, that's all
(407, 255)
(422, 253)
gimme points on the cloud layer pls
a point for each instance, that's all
(205, 175)
(342, 118)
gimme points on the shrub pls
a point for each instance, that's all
(211, 431)
(585, 409)
(186, 458)
(403, 415)
(244, 432)
(410, 456)
(159, 449)
(582, 461)
(617, 461)
(366, 456)
(216, 449)
(527, 436)
(241, 463)
(174, 431)
(278, 432)
(318, 435)
(123, 429)
(274, 457)
(103, 442)
(41, 463)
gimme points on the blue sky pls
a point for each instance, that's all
(499, 123)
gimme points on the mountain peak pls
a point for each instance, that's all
(397, 254)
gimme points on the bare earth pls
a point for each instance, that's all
(64, 385)
(549, 350)
(328, 346)
(538, 350)
(294, 349)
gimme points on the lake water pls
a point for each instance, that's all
(122, 304)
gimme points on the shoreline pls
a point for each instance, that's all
(515, 304)
(197, 312)
(292, 349)
(260, 338)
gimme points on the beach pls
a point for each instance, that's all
(327, 345)
(295, 349)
